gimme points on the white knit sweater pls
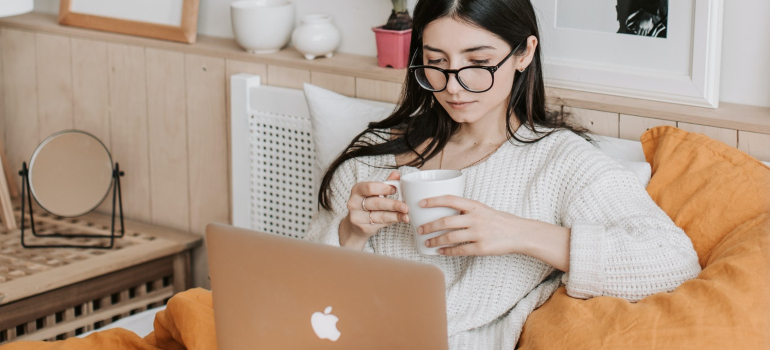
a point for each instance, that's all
(622, 244)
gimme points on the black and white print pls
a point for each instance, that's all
(643, 17)
(632, 17)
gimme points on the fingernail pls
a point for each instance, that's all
(419, 230)
(441, 251)
(427, 243)
(392, 190)
(423, 203)
(406, 218)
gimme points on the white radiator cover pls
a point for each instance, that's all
(272, 158)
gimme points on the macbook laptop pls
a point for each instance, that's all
(275, 292)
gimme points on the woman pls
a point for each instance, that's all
(542, 206)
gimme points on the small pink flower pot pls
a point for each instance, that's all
(392, 47)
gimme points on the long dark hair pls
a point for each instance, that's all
(419, 117)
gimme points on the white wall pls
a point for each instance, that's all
(745, 43)
(746, 53)
(598, 15)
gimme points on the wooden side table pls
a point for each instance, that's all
(55, 293)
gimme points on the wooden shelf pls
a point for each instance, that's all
(728, 115)
(341, 63)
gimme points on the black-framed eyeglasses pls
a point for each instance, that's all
(475, 79)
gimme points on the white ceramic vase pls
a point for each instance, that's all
(316, 36)
(262, 26)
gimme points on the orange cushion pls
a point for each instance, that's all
(721, 198)
(705, 186)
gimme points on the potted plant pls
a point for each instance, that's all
(394, 37)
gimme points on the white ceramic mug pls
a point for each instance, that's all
(420, 185)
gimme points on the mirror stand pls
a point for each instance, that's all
(26, 199)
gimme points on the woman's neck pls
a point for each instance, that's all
(484, 132)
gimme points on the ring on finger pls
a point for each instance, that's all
(370, 219)
(363, 205)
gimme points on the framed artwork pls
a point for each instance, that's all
(649, 49)
(175, 20)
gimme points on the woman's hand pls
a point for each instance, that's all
(484, 231)
(481, 230)
(369, 211)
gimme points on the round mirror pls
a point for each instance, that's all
(70, 173)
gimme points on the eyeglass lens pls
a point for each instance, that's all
(471, 78)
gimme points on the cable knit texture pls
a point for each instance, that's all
(622, 244)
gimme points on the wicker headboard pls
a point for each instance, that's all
(272, 158)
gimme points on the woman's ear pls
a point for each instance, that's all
(523, 61)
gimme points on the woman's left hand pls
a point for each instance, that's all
(485, 231)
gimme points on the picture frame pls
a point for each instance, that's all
(174, 20)
(682, 68)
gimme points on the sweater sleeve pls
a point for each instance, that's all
(622, 244)
(324, 227)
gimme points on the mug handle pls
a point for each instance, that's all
(397, 185)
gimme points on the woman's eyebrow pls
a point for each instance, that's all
(478, 48)
(470, 49)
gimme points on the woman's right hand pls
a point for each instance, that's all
(364, 222)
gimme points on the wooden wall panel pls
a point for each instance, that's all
(632, 127)
(91, 88)
(207, 157)
(287, 77)
(341, 84)
(235, 67)
(128, 122)
(54, 83)
(378, 90)
(597, 122)
(91, 94)
(10, 175)
(20, 100)
(729, 137)
(167, 122)
(756, 145)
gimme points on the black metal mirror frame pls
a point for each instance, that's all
(117, 203)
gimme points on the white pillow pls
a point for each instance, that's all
(628, 153)
(336, 119)
(620, 149)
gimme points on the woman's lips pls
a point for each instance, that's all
(459, 105)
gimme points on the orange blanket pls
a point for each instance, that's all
(186, 323)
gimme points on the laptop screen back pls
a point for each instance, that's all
(274, 292)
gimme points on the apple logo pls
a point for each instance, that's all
(325, 325)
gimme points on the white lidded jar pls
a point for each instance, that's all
(316, 36)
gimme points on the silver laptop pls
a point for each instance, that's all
(275, 292)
